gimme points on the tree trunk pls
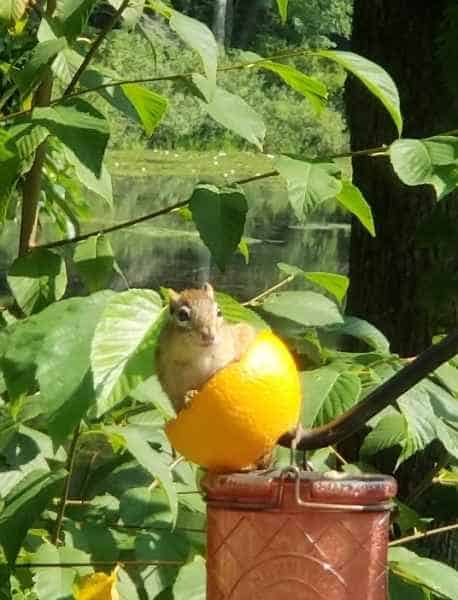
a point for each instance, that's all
(219, 21)
(386, 272)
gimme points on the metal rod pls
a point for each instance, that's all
(351, 421)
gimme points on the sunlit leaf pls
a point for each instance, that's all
(232, 112)
(150, 107)
(433, 161)
(191, 581)
(389, 431)
(235, 312)
(306, 308)
(219, 215)
(351, 198)
(200, 38)
(122, 354)
(309, 184)
(374, 77)
(12, 10)
(335, 284)
(431, 574)
(283, 9)
(37, 279)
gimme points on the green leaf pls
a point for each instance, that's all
(447, 374)
(235, 312)
(100, 184)
(9, 170)
(150, 107)
(138, 506)
(283, 10)
(78, 127)
(335, 284)
(421, 422)
(12, 11)
(74, 16)
(52, 349)
(433, 161)
(37, 279)
(94, 260)
(27, 137)
(351, 198)
(339, 397)
(390, 431)
(309, 184)
(150, 460)
(42, 56)
(122, 353)
(232, 112)
(307, 308)
(150, 392)
(401, 590)
(313, 89)
(23, 505)
(198, 37)
(362, 330)
(219, 215)
(376, 79)
(59, 585)
(431, 574)
(316, 387)
(191, 581)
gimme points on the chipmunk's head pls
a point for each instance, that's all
(195, 312)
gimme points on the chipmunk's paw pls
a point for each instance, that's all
(189, 396)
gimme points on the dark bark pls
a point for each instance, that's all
(387, 272)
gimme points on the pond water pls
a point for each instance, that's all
(167, 251)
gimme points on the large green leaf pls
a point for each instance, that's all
(362, 330)
(390, 431)
(232, 112)
(23, 505)
(74, 15)
(94, 260)
(309, 184)
(420, 420)
(219, 215)
(402, 590)
(59, 585)
(52, 349)
(37, 279)
(316, 387)
(433, 161)
(447, 374)
(9, 170)
(313, 89)
(78, 127)
(150, 107)
(42, 56)
(27, 138)
(431, 574)
(191, 581)
(100, 184)
(12, 10)
(335, 284)
(198, 37)
(235, 312)
(150, 460)
(351, 198)
(376, 79)
(307, 308)
(123, 348)
(283, 9)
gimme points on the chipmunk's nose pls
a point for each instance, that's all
(207, 336)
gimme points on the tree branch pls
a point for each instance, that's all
(424, 534)
(93, 49)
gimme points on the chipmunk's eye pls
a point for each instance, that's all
(183, 314)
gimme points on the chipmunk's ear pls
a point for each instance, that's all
(173, 298)
(208, 289)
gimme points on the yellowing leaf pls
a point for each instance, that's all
(98, 586)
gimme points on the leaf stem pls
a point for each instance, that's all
(424, 534)
(254, 301)
(65, 491)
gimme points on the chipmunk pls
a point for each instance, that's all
(196, 342)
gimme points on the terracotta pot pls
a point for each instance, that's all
(297, 535)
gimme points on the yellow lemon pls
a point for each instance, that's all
(240, 413)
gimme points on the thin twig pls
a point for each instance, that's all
(338, 455)
(424, 534)
(97, 563)
(64, 497)
(254, 301)
(93, 49)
